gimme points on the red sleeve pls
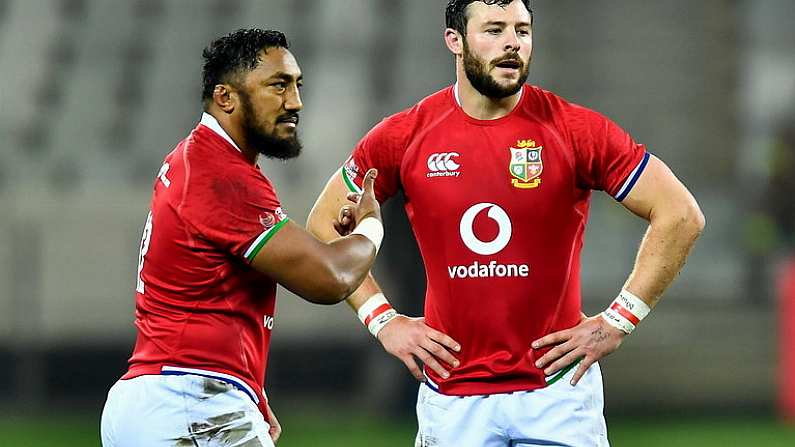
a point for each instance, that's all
(607, 157)
(382, 148)
(236, 209)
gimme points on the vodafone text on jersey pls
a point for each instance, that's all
(492, 268)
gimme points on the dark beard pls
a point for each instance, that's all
(266, 143)
(477, 72)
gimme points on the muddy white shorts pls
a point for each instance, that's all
(181, 411)
(558, 415)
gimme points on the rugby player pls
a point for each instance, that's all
(497, 177)
(215, 244)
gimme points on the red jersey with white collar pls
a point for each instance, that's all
(200, 308)
(499, 209)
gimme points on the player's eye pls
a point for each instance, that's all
(523, 32)
(494, 31)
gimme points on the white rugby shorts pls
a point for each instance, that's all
(181, 411)
(557, 415)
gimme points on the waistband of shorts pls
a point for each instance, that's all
(170, 370)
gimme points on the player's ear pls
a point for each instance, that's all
(224, 98)
(454, 41)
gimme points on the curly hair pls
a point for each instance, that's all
(456, 16)
(230, 55)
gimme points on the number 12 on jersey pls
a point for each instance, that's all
(139, 286)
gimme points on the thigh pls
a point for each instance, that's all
(560, 415)
(181, 411)
(452, 421)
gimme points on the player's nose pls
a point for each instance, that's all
(292, 101)
(512, 42)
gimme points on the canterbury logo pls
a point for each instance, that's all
(468, 235)
(443, 165)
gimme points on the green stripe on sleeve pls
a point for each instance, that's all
(349, 182)
(263, 239)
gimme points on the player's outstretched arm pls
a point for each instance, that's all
(406, 338)
(326, 273)
(675, 222)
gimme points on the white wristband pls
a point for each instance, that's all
(375, 313)
(372, 229)
(626, 312)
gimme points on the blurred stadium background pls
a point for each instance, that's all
(95, 93)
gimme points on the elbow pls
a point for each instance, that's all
(343, 285)
(694, 221)
(337, 286)
(347, 285)
(700, 222)
(687, 221)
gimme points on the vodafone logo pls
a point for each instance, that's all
(443, 165)
(468, 235)
(491, 268)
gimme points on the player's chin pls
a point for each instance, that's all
(287, 134)
(508, 87)
(507, 80)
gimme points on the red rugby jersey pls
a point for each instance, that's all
(200, 308)
(499, 209)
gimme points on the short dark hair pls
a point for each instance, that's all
(456, 17)
(234, 53)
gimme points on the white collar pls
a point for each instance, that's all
(458, 96)
(210, 122)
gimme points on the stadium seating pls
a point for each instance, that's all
(96, 92)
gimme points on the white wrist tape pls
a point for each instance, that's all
(626, 312)
(375, 313)
(372, 229)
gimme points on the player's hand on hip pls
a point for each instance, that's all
(590, 340)
(366, 203)
(410, 339)
(276, 429)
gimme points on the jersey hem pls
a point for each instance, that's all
(227, 378)
(163, 369)
(485, 388)
(559, 375)
(468, 389)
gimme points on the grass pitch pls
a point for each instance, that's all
(360, 431)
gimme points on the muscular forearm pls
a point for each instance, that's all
(348, 261)
(319, 224)
(661, 256)
(403, 337)
(663, 251)
(347, 269)
(675, 224)
(321, 273)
